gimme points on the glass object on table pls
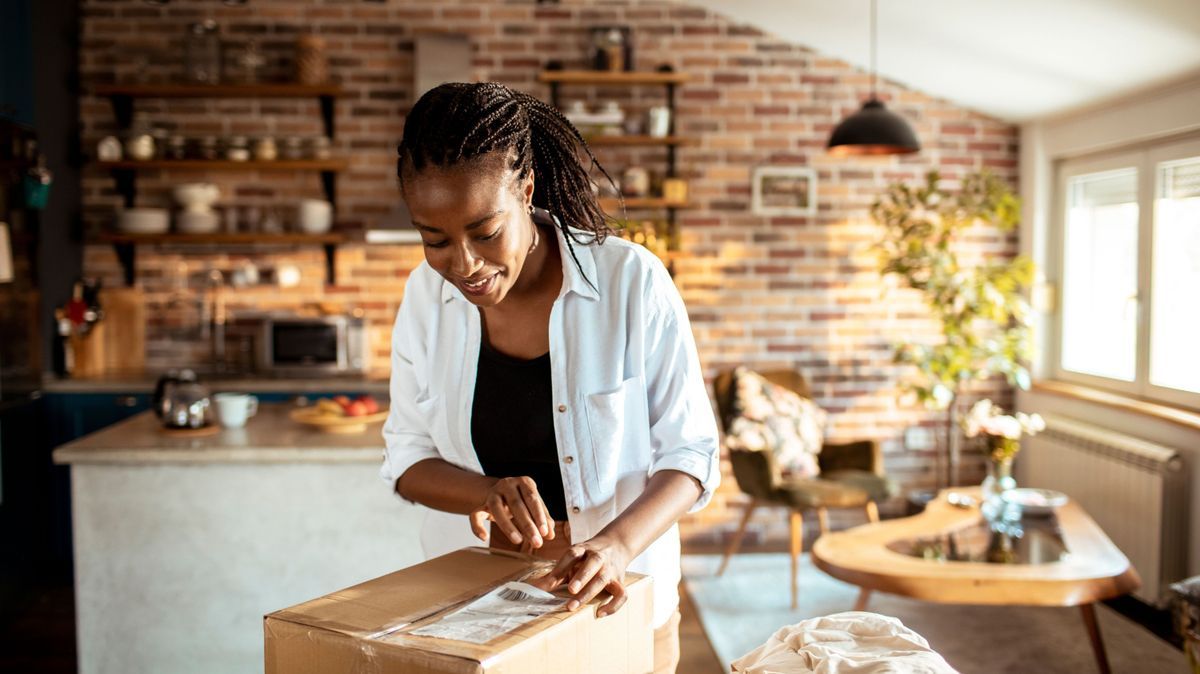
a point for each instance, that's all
(1100, 269)
(1007, 539)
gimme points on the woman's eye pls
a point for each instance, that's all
(491, 236)
(435, 244)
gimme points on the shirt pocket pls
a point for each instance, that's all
(619, 426)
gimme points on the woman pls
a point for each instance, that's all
(545, 382)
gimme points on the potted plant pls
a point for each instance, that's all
(982, 309)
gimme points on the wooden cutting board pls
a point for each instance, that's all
(124, 329)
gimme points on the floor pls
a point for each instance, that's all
(37, 634)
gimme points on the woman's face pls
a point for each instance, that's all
(475, 225)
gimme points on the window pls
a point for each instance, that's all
(1129, 273)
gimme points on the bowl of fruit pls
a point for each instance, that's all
(340, 414)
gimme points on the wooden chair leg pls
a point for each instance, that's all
(797, 527)
(872, 511)
(864, 598)
(823, 520)
(1093, 630)
(736, 541)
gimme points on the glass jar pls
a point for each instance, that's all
(293, 148)
(202, 53)
(320, 147)
(207, 148)
(237, 149)
(265, 149)
(176, 147)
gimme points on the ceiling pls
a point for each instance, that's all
(1013, 59)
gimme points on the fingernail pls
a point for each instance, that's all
(537, 541)
(516, 538)
(572, 605)
(574, 587)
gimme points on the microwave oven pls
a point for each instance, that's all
(294, 345)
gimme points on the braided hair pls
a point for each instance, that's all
(458, 122)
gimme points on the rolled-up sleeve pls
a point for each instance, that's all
(683, 429)
(406, 432)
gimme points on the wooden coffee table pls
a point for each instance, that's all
(1029, 570)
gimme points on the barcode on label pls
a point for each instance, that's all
(510, 594)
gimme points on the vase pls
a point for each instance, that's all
(999, 474)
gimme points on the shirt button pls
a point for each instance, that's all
(575, 510)
(562, 408)
(569, 459)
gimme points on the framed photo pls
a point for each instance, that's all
(783, 190)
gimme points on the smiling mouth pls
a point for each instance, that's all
(481, 285)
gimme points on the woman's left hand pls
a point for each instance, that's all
(587, 569)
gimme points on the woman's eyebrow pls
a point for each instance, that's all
(472, 225)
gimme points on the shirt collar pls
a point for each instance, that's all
(575, 276)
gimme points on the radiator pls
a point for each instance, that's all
(1135, 490)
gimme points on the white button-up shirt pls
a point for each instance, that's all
(629, 395)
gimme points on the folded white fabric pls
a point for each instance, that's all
(854, 642)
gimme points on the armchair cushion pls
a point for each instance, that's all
(876, 487)
(767, 416)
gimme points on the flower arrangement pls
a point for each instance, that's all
(1004, 431)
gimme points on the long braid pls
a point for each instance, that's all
(459, 122)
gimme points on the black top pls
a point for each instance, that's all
(512, 423)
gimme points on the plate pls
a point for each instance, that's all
(1035, 501)
(329, 423)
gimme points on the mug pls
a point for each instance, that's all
(314, 216)
(234, 408)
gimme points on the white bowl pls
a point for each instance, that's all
(196, 196)
(1035, 501)
(197, 222)
(143, 221)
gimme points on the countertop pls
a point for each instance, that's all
(269, 437)
(143, 382)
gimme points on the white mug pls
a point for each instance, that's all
(234, 408)
(314, 216)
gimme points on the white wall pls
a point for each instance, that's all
(1165, 113)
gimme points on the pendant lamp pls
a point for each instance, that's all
(873, 130)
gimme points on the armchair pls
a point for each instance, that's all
(851, 476)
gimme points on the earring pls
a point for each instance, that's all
(531, 208)
(536, 240)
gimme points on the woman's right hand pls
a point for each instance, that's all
(514, 504)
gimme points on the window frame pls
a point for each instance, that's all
(1145, 160)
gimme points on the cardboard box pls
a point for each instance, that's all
(366, 628)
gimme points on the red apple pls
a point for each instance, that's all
(372, 406)
(344, 401)
(356, 409)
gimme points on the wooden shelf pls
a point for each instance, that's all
(642, 203)
(221, 237)
(126, 245)
(629, 140)
(226, 165)
(601, 77)
(266, 90)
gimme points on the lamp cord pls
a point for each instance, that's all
(874, 40)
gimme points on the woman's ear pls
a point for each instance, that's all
(527, 189)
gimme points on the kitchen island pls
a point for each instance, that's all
(182, 544)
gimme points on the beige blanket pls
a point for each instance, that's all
(844, 643)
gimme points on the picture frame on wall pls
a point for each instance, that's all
(783, 190)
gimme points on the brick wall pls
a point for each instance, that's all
(767, 291)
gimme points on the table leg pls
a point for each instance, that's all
(864, 598)
(1093, 629)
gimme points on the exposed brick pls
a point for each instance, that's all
(794, 291)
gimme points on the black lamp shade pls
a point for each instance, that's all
(873, 130)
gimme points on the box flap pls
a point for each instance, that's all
(410, 594)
